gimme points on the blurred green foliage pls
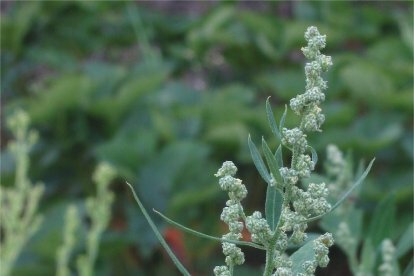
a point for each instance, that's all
(166, 91)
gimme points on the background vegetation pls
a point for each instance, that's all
(166, 91)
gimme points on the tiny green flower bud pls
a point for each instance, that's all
(228, 168)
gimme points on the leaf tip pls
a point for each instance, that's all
(268, 100)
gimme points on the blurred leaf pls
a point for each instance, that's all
(367, 82)
(15, 26)
(64, 93)
(368, 257)
(267, 32)
(406, 28)
(228, 138)
(383, 217)
(144, 81)
(284, 84)
(128, 150)
(160, 238)
(187, 198)
(158, 178)
(139, 231)
(406, 242)
(375, 131)
(339, 113)
(211, 25)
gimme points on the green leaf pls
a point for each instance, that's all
(273, 208)
(271, 119)
(303, 254)
(282, 120)
(279, 156)
(368, 256)
(272, 162)
(164, 244)
(314, 155)
(17, 24)
(202, 235)
(406, 241)
(274, 199)
(354, 186)
(382, 219)
(258, 161)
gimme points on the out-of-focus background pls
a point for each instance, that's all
(166, 91)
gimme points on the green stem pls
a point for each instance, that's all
(231, 269)
(270, 250)
(270, 254)
(294, 158)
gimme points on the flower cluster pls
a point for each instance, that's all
(345, 238)
(283, 265)
(295, 139)
(99, 210)
(294, 221)
(304, 204)
(321, 246)
(335, 160)
(19, 218)
(313, 201)
(290, 176)
(388, 256)
(306, 105)
(338, 171)
(231, 215)
(297, 204)
(259, 228)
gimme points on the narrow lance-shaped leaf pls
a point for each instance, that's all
(314, 155)
(406, 241)
(258, 161)
(271, 162)
(271, 119)
(274, 199)
(279, 156)
(367, 262)
(356, 184)
(384, 216)
(282, 120)
(273, 207)
(164, 244)
(202, 235)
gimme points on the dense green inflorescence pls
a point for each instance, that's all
(295, 203)
(19, 203)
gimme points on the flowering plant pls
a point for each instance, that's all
(288, 207)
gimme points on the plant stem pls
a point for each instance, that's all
(270, 254)
(270, 250)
